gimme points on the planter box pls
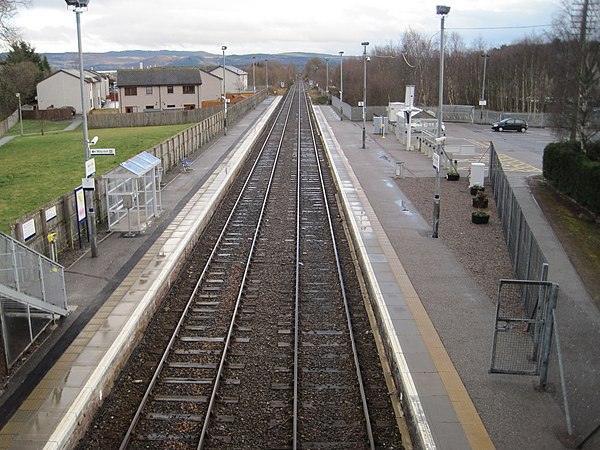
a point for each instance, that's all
(474, 189)
(480, 219)
(453, 176)
(480, 203)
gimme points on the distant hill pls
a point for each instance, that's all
(132, 59)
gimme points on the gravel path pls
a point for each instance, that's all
(481, 249)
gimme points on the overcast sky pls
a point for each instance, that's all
(273, 27)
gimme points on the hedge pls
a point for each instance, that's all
(573, 174)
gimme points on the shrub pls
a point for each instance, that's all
(573, 173)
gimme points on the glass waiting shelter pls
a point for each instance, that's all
(133, 193)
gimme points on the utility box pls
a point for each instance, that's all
(380, 125)
(477, 174)
(393, 109)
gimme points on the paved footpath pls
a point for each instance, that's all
(516, 415)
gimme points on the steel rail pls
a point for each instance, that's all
(363, 396)
(224, 355)
(181, 321)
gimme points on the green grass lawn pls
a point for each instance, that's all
(38, 127)
(37, 169)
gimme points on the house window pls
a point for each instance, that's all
(148, 90)
(131, 90)
(170, 106)
(169, 89)
(129, 109)
(149, 106)
(189, 89)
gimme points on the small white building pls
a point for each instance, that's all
(62, 89)
(236, 80)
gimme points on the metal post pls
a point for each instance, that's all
(327, 78)
(364, 110)
(547, 338)
(253, 75)
(86, 141)
(267, 75)
(485, 57)
(341, 85)
(441, 10)
(223, 48)
(18, 94)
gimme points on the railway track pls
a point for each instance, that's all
(264, 353)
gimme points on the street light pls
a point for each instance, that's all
(223, 48)
(80, 6)
(341, 84)
(364, 106)
(267, 75)
(253, 75)
(441, 11)
(485, 57)
(327, 77)
(18, 94)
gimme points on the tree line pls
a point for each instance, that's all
(556, 74)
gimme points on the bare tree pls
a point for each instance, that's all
(8, 10)
(575, 91)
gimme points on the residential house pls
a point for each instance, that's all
(159, 89)
(211, 87)
(236, 80)
(62, 89)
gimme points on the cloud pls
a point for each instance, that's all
(268, 27)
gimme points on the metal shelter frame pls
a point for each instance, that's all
(133, 194)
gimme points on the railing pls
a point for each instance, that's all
(32, 290)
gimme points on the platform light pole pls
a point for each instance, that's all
(327, 78)
(18, 95)
(485, 57)
(364, 103)
(267, 75)
(80, 6)
(253, 75)
(442, 11)
(223, 48)
(341, 84)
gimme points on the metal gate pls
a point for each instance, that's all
(523, 327)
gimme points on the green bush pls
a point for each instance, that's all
(573, 173)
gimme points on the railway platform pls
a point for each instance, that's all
(443, 358)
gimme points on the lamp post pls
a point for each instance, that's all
(18, 94)
(364, 106)
(327, 77)
(223, 48)
(79, 6)
(341, 84)
(442, 11)
(253, 75)
(485, 57)
(267, 75)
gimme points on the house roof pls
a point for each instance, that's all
(159, 77)
(231, 69)
(88, 75)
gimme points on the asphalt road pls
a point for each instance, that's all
(526, 149)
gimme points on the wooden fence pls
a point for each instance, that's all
(60, 215)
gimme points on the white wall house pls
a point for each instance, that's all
(159, 89)
(62, 89)
(236, 80)
(211, 87)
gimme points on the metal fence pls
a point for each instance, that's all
(32, 288)
(525, 253)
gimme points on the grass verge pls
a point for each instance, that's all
(37, 169)
(577, 231)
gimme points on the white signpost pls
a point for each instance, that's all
(102, 151)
